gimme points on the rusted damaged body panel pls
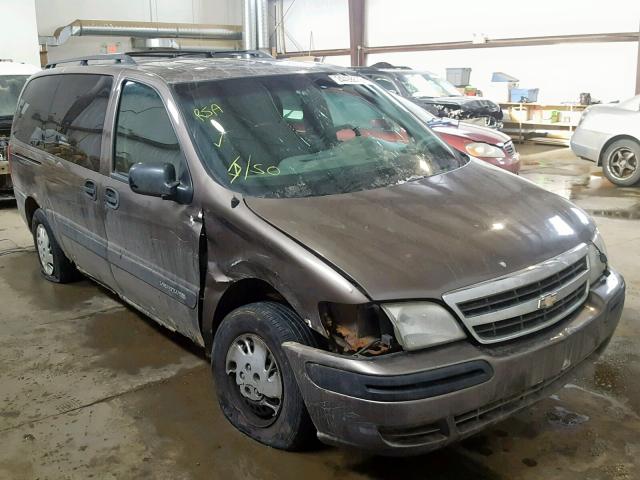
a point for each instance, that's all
(242, 246)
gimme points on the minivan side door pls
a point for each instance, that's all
(66, 129)
(153, 244)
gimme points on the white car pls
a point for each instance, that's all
(13, 76)
(609, 135)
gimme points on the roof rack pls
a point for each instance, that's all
(200, 53)
(84, 61)
(128, 57)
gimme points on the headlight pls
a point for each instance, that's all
(597, 258)
(478, 149)
(422, 324)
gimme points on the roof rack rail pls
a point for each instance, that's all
(84, 61)
(167, 53)
(128, 57)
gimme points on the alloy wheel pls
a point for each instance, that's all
(623, 163)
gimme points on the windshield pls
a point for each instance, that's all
(308, 135)
(10, 87)
(424, 85)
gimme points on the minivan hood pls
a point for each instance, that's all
(424, 238)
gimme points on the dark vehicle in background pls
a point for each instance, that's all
(350, 275)
(12, 78)
(434, 94)
(484, 143)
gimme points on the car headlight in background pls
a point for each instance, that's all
(479, 149)
(422, 324)
(597, 258)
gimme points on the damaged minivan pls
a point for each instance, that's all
(350, 276)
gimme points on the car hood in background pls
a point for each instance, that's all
(474, 133)
(468, 104)
(424, 238)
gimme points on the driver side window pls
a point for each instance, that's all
(144, 132)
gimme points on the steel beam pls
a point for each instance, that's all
(356, 32)
(491, 43)
(335, 52)
(511, 42)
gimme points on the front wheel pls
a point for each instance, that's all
(54, 264)
(621, 163)
(255, 385)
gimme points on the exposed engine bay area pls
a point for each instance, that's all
(480, 112)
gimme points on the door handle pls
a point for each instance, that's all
(90, 189)
(111, 198)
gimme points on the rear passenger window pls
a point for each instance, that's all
(144, 132)
(32, 123)
(64, 115)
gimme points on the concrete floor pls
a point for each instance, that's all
(91, 389)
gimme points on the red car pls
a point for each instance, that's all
(479, 142)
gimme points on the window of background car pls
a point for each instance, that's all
(308, 135)
(423, 85)
(387, 84)
(144, 132)
(64, 116)
(10, 87)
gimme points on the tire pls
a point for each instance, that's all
(290, 428)
(621, 163)
(55, 266)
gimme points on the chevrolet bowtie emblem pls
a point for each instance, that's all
(548, 301)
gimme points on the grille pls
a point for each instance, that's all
(524, 301)
(522, 294)
(531, 320)
(509, 148)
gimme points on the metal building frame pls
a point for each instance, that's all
(358, 51)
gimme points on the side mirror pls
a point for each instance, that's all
(154, 180)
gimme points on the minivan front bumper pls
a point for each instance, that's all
(414, 402)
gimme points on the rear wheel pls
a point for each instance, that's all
(54, 264)
(621, 163)
(255, 385)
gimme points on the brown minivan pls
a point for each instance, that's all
(350, 275)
